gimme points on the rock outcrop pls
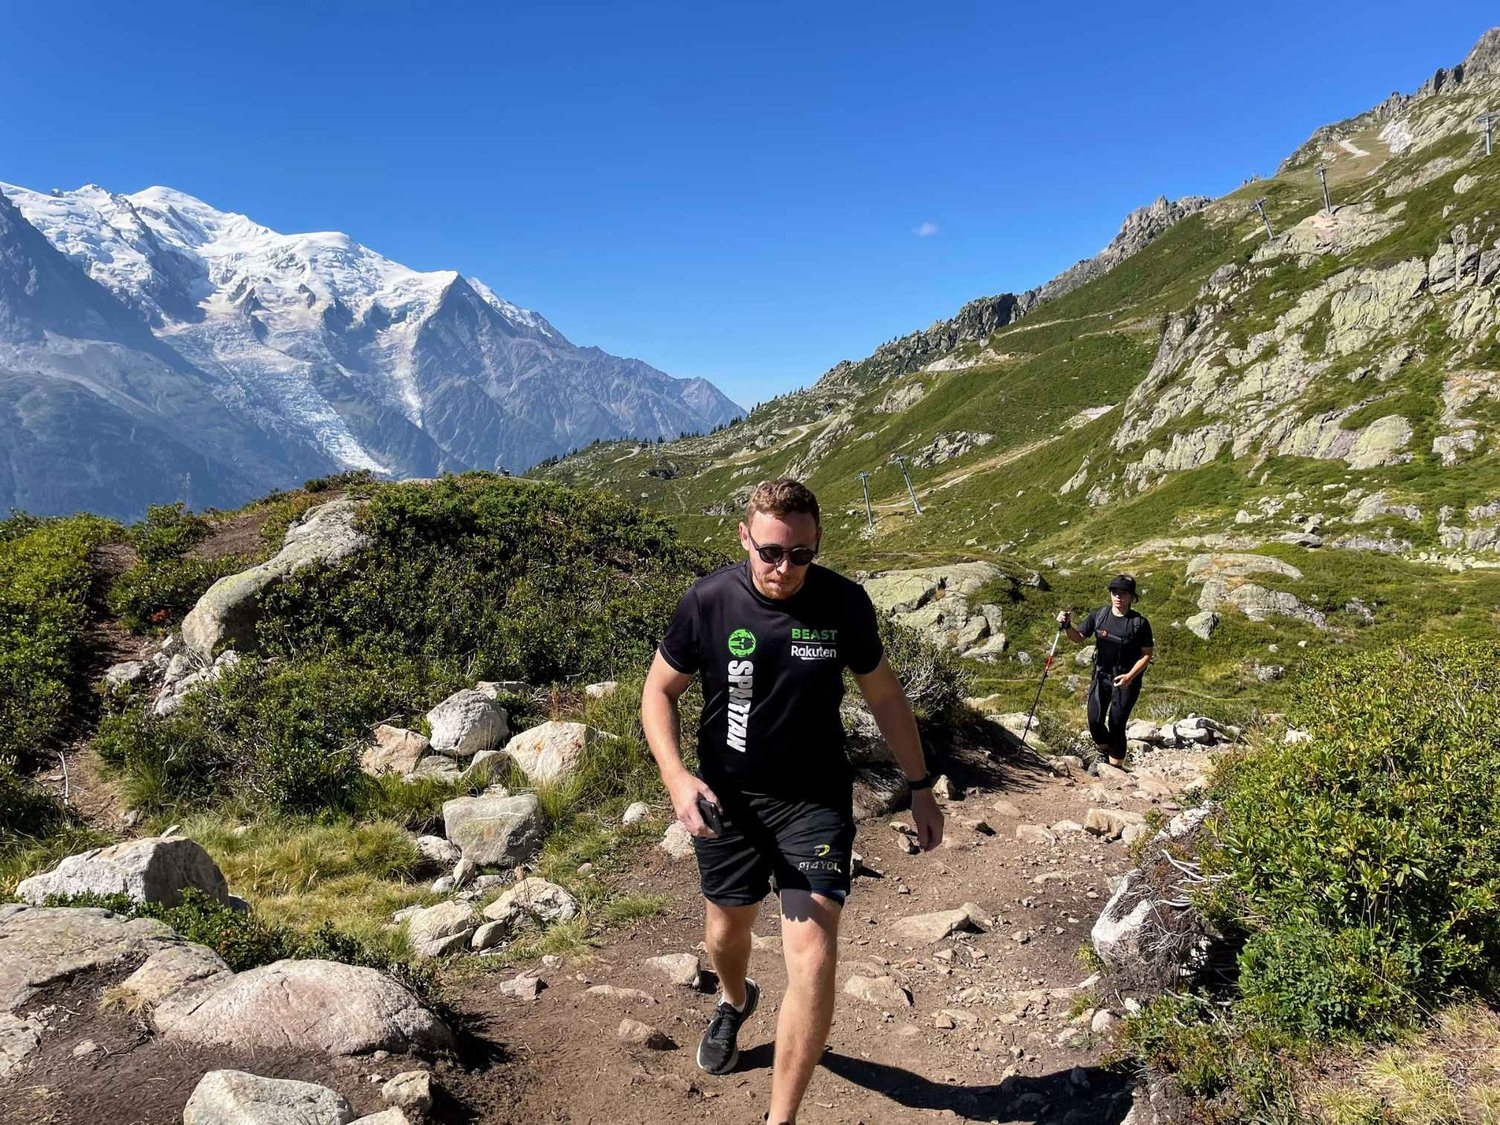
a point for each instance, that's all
(229, 612)
(234, 1097)
(312, 1005)
(154, 869)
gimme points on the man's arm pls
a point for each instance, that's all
(1065, 623)
(662, 724)
(887, 701)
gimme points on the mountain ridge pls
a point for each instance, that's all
(345, 358)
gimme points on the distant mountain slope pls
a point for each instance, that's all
(1204, 387)
(96, 413)
(349, 359)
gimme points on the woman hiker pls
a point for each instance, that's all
(1123, 648)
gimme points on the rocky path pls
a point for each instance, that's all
(994, 1022)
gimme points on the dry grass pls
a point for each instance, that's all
(1447, 1074)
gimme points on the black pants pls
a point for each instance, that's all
(1109, 711)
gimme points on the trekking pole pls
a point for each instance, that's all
(1047, 667)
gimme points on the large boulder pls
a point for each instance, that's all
(551, 752)
(467, 722)
(230, 611)
(43, 947)
(937, 601)
(154, 869)
(495, 831)
(310, 1005)
(393, 750)
(233, 1097)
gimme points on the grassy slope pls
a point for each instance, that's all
(1089, 348)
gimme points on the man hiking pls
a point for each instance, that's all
(770, 638)
(1123, 648)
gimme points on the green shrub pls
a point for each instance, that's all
(25, 811)
(936, 681)
(45, 577)
(155, 596)
(518, 579)
(169, 531)
(284, 734)
(245, 941)
(165, 583)
(1364, 864)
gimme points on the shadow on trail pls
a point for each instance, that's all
(1102, 1098)
(985, 755)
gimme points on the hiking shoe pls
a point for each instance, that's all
(718, 1050)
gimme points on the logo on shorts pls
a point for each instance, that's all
(822, 849)
(741, 642)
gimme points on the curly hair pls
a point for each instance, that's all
(782, 498)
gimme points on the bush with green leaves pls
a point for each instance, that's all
(517, 579)
(169, 531)
(166, 582)
(151, 597)
(45, 579)
(246, 942)
(936, 680)
(1363, 864)
(283, 734)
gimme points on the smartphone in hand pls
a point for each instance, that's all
(711, 814)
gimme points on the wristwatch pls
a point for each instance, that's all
(923, 782)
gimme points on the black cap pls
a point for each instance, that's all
(1123, 582)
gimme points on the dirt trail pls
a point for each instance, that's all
(998, 1029)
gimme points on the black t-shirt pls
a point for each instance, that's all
(772, 674)
(1119, 640)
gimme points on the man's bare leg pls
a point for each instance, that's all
(726, 933)
(810, 940)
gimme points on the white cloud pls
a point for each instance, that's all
(926, 230)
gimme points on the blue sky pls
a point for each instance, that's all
(747, 193)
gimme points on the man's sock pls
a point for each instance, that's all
(723, 999)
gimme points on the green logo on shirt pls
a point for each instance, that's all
(741, 642)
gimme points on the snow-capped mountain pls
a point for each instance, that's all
(345, 357)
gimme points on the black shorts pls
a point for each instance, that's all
(801, 845)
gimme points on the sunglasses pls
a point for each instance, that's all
(772, 555)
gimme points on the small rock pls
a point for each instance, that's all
(638, 811)
(1006, 808)
(467, 722)
(1034, 834)
(410, 1091)
(943, 1021)
(601, 690)
(638, 1034)
(546, 902)
(490, 935)
(682, 969)
(677, 842)
(233, 1097)
(527, 986)
(85, 1047)
(883, 992)
(629, 995)
(442, 929)
(946, 789)
(1103, 1022)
